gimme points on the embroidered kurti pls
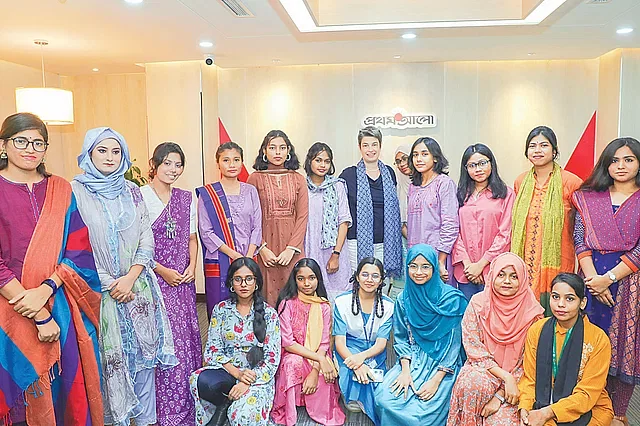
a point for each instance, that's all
(285, 209)
(361, 332)
(534, 229)
(610, 235)
(230, 339)
(337, 282)
(432, 214)
(476, 385)
(394, 410)
(322, 406)
(173, 399)
(134, 336)
(589, 393)
(485, 231)
(247, 222)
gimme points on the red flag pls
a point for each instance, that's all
(224, 138)
(583, 157)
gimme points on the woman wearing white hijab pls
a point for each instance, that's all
(135, 335)
(401, 160)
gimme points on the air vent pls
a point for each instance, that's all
(237, 8)
(598, 1)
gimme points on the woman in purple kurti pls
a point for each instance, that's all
(432, 211)
(607, 241)
(329, 219)
(229, 220)
(173, 218)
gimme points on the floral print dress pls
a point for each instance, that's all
(230, 338)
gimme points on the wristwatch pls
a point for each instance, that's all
(612, 276)
(336, 252)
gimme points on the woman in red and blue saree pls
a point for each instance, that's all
(607, 239)
(173, 218)
(51, 301)
(362, 323)
(229, 220)
(135, 334)
(428, 342)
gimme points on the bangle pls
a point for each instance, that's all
(500, 397)
(44, 321)
(51, 283)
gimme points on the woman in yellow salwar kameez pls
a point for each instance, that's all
(566, 362)
(542, 225)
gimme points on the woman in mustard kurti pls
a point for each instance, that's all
(566, 362)
(542, 223)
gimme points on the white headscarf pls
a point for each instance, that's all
(403, 184)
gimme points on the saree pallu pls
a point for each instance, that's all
(215, 271)
(59, 381)
(610, 235)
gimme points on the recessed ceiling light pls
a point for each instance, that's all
(134, 1)
(408, 36)
(275, 61)
(206, 44)
(531, 54)
(397, 57)
(95, 70)
(625, 30)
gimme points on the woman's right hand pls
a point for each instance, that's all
(511, 392)
(247, 376)
(328, 370)
(268, 258)
(363, 374)
(49, 332)
(310, 384)
(171, 277)
(403, 383)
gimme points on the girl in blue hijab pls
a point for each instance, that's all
(428, 342)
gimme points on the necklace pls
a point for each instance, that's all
(170, 225)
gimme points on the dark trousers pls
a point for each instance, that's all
(215, 385)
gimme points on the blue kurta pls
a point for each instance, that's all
(394, 410)
(358, 340)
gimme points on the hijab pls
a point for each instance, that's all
(403, 182)
(434, 309)
(107, 186)
(506, 320)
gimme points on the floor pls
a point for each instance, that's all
(362, 420)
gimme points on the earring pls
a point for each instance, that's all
(264, 157)
(44, 159)
(232, 290)
(3, 155)
(288, 157)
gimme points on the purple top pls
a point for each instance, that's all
(432, 214)
(247, 222)
(20, 210)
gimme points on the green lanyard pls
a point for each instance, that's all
(553, 353)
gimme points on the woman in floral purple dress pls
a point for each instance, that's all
(173, 216)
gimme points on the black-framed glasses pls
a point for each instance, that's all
(249, 280)
(22, 143)
(403, 159)
(482, 164)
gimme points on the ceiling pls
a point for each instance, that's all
(114, 36)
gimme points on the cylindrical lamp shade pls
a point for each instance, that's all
(53, 106)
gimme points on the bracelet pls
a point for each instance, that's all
(51, 283)
(500, 397)
(44, 321)
(336, 252)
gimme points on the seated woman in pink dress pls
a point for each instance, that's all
(494, 330)
(307, 377)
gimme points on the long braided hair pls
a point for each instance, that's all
(256, 353)
(356, 307)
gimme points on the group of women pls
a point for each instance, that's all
(98, 316)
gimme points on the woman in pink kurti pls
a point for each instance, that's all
(306, 376)
(485, 218)
(494, 330)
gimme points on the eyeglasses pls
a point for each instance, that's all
(376, 278)
(401, 160)
(482, 164)
(22, 143)
(249, 280)
(415, 268)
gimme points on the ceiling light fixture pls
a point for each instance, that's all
(276, 61)
(95, 70)
(625, 30)
(53, 106)
(397, 57)
(531, 54)
(302, 18)
(408, 36)
(206, 44)
(134, 1)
